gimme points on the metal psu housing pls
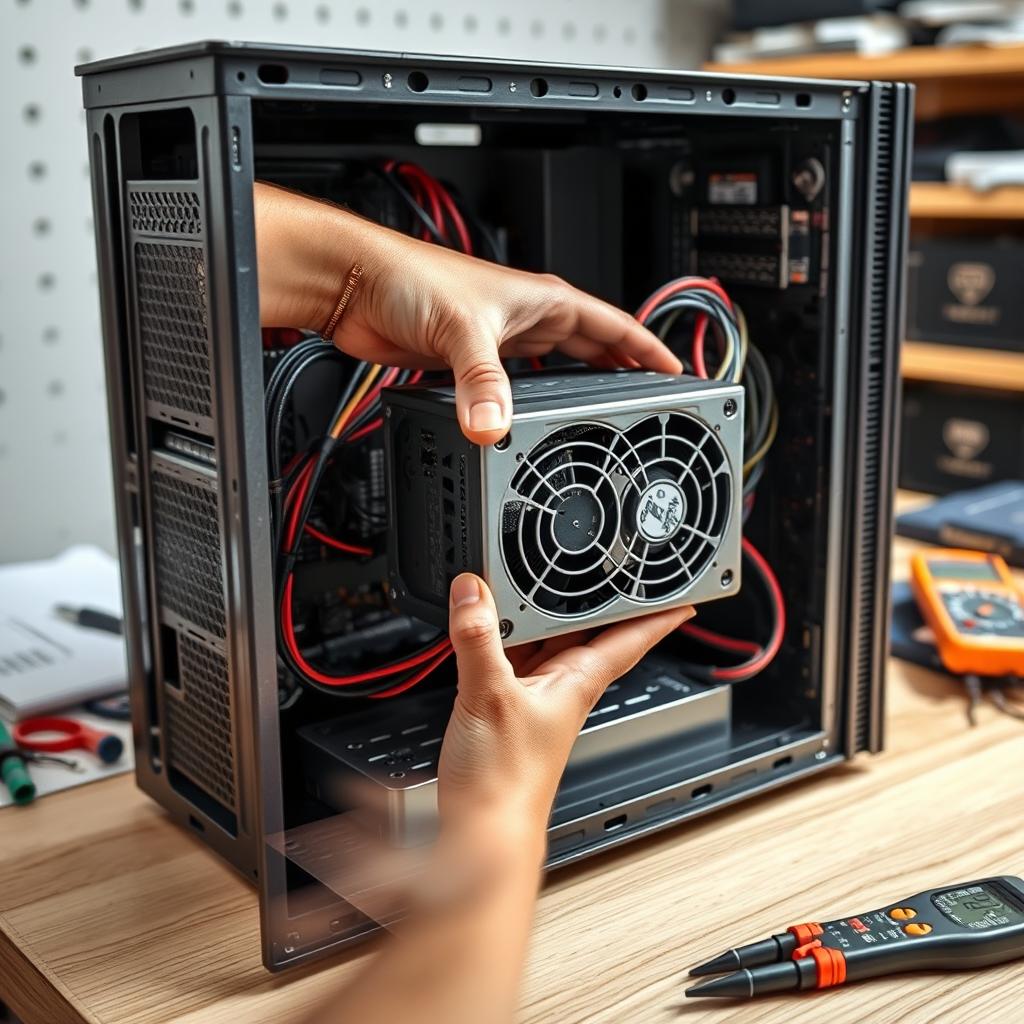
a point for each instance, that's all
(612, 495)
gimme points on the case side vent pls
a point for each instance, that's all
(885, 236)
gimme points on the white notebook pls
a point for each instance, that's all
(46, 663)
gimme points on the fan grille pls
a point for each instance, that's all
(594, 513)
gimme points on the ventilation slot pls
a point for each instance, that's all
(881, 192)
(165, 211)
(189, 563)
(170, 283)
(199, 740)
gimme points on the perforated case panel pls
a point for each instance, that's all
(171, 297)
(189, 562)
(197, 727)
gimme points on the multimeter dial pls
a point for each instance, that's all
(984, 612)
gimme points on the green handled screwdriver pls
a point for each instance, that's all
(13, 769)
(974, 924)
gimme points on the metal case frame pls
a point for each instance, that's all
(218, 84)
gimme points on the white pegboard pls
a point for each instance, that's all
(54, 469)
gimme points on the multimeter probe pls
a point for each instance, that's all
(975, 924)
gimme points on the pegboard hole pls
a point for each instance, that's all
(272, 74)
(417, 81)
(728, 97)
(280, 11)
(401, 19)
(235, 9)
(437, 21)
(539, 87)
(363, 16)
(37, 170)
(803, 99)
(27, 55)
(32, 112)
(241, 76)
(41, 225)
(639, 92)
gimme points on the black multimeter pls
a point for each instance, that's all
(975, 924)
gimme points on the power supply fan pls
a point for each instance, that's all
(594, 513)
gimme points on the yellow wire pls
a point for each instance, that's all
(346, 413)
(741, 319)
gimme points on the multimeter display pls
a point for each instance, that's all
(964, 571)
(977, 907)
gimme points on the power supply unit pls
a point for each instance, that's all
(612, 495)
(250, 615)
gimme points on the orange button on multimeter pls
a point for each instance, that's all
(974, 608)
(902, 913)
(917, 928)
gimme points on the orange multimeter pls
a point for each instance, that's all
(975, 609)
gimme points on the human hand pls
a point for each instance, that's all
(419, 304)
(518, 712)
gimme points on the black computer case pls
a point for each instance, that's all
(600, 175)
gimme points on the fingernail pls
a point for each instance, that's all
(486, 416)
(465, 590)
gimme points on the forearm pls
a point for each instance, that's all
(305, 252)
(459, 956)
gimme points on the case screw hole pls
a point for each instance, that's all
(727, 577)
(502, 443)
(505, 628)
(730, 408)
(417, 81)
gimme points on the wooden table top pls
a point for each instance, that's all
(109, 913)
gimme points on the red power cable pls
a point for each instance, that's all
(725, 643)
(332, 542)
(754, 665)
(438, 194)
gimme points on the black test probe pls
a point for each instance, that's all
(975, 924)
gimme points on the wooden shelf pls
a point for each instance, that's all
(915, 64)
(957, 202)
(954, 80)
(974, 367)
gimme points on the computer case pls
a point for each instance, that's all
(791, 192)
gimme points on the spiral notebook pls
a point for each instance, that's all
(46, 663)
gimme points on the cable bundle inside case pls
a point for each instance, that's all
(741, 362)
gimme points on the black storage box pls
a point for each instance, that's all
(966, 291)
(956, 437)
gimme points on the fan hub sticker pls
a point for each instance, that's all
(659, 511)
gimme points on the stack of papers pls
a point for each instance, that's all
(47, 664)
